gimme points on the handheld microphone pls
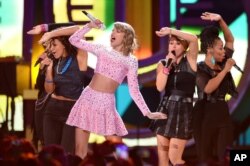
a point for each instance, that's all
(238, 68)
(39, 60)
(49, 55)
(92, 18)
(170, 60)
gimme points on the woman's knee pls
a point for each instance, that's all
(174, 154)
(162, 147)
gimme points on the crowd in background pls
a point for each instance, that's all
(16, 151)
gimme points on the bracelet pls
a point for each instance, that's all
(49, 81)
(166, 70)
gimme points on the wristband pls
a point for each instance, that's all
(166, 70)
(44, 27)
(49, 81)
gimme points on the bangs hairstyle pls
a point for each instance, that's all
(183, 42)
(71, 50)
(208, 37)
(129, 41)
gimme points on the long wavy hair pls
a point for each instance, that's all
(129, 41)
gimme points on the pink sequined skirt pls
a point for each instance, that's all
(95, 112)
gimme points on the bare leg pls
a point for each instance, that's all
(163, 148)
(176, 150)
(82, 138)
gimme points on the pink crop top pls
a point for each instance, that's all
(113, 65)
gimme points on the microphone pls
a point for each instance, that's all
(43, 70)
(92, 18)
(48, 54)
(39, 60)
(238, 68)
(170, 60)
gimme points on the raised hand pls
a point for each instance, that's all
(210, 16)
(38, 29)
(229, 64)
(46, 37)
(156, 115)
(163, 32)
(170, 55)
(95, 24)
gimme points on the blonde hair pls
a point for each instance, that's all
(129, 41)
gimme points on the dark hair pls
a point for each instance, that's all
(72, 50)
(208, 37)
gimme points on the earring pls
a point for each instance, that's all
(212, 60)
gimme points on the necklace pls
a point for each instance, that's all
(65, 68)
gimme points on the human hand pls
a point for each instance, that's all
(43, 55)
(45, 38)
(48, 62)
(156, 115)
(172, 56)
(163, 31)
(229, 64)
(38, 29)
(45, 61)
(95, 24)
(210, 16)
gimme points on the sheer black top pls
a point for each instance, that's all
(205, 73)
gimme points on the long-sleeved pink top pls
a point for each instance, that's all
(113, 64)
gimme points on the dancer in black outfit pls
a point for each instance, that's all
(43, 96)
(178, 80)
(64, 80)
(40, 104)
(212, 123)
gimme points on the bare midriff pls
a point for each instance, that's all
(103, 84)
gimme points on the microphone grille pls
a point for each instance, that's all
(173, 52)
(84, 12)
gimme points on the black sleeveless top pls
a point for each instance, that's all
(181, 78)
(70, 83)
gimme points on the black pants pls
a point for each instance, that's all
(213, 130)
(40, 105)
(38, 120)
(56, 131)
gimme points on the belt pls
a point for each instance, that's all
(215, 99)
(212, 99)
(179, 98)
(180, 93)
(62, 98)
